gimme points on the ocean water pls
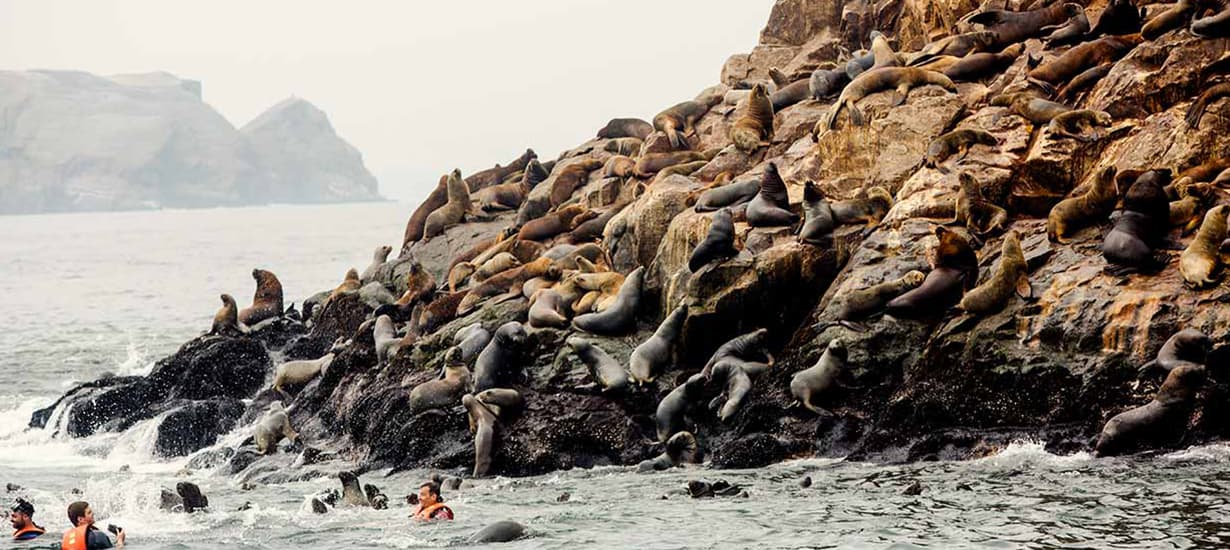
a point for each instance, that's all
(88, 294)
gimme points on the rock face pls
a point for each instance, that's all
(74, 141)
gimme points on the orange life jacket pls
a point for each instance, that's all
(28, 533)
(426, 513)
(75, 538)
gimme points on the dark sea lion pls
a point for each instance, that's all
(1089, 208)
(818, 222)
(859, 65)
(1081, 57)
(607, 373)
(813, 382)
(471, 339)
(1161, 421)
(1202, 260)
(443, 392)
(868, 207)
(482, 424)
(1070, 32)
(620, 317)
(1073, 124)
(679, 119)
(379, 257)
(414, 226)
(973, 211)
(976, 66)
(731, 194)
(651, 163)
(226, 320)
(1083, 81)
(561, 221)
(1144, 222)
(826, 83)
(745, 348)
(669, 416)
(626, 127)
(1173, 18)
(1012, 27)
(624, 146)
(655, 355)
(547, 309)
(571, 177)
(1186, 347)
(352, 493)
(681, 448)
(499, 356)
(592, 229)
(1120, 17)
(957, 141)
(900, 79)
(1197, 108)
(497, 174)
(958, 45)
(500, 531)
(755, 127)
(266, 301)
(954, 269)
(1011, 274)
(789, 93)
(718, 243)
(1213, 26)
(272, 428)
(501, 401)
(453, 212)
(771, 205)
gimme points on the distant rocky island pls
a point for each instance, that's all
(72, 141)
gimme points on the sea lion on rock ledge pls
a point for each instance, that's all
(1188, 346)
(900, 79)
(679, 119)
(226, 320)
(620, 317)
(498, 356)
(1130, 245)
(626, 127)
(607, 373)
(380, 256)
(444, 392)
(1201, 260)
(1089, 208)
(812, 382)
(453, 212)
(751, 130)
(718, 243)
(653, 356)
(771, 205)
(1010, 274)
(1161, 421)
(669, 416)
(954, 269)
(267, 301)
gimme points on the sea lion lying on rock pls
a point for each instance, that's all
(1162, 421)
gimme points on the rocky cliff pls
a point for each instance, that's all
(1052, 366)
(73, 141)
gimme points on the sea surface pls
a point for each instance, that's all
(89, 294)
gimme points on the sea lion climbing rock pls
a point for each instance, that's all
(818, 221)
(771, 205)
(1089, 208)
(755, 127)
(1162, 421)
(747, 350)
(654, 356)
(298, 373)
(272, 428)
(608, 374)
(860, 304)
(267, 301)
(1011, 274)
(620, 317)
(443, 392)
(736, 378)
(453, 212)
(1201, 260)
(900, 79)
(718, 243)
(471, 339)
(815, 381)
(669, 416)
(1073, 124)
(385, 336)
(1186, 347)
(482, 424)
(681, 448)
(954, 269)
(499, 356)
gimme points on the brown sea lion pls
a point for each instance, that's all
(591, 230)
(1083, 81)
(883, 53)
(1201, 260)
(958, 45)
(677, 121)
(954, 269)
(494, 176)
(508, 282)
(651, 163)
(960, 141)
(755, 127)
(976, 66)
(350, 285)
(439, 311)
(863, 303)
(453, 212)
(1196, 110)
(267, 301)
(1074, 61)
(414, 226)
(443, 392)
(771, 205)
(608, 374)
(1069, 32)
(1173, 18)
(1213, 26)
(600, 290)
(1119, 18)
(497, 264)
(973, 211)
(571, 177)
(1205, 171)
(1010, 274)
(1161, 421)
(1074, 124)
(547, 309)
(1012, 27)
(618, 166)
(506, 196)
(624, 146)
(900, 79)
(1130, 245)
(1185, 212)
(625, 127)
(226, 320)
(561, 221)
(1089, 208)
(1030, 107)
(683, 169)
(868, 207)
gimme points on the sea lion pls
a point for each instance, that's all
(654, 355)
(561, 221)
(267, 301)
(272, 428)
(482, 424)
(298, 373)
(1030, 107)
(973, 211)
(500, 531)
(375, 295)
(718, 243)
(501, 400)
(651, 163)
(771, 205)
(818, 223)
(1197, 108)
(624, 128)
(902, 79)
(508, 196)
(350, 285)
(1011, 273)
(628, 146)
(825, 83)
(857, 305)
(1083, 81)
(679, 119)
(380, 256)
(607, 373)
(1213, 26)
(1083, 56)
(980, 65)
(619, 166)
(1207, 170)
(571, 177)
(497, 264)
(960, 141)
(681, 448)
(669, 416)
(954, 269)
(810, 383)
(1185, 212)
(1069, 32)
(1186, 347)
(755, 127)
(499, 355)
(442, 392)
(788, 93)
(352, 493)
(1142, 226)
(1173, 18)
(547, 309)
(453, 212)
(386, 340)
(868, 207)
(1119, 18)
(1073, 124)
(620, 316)
(958, 45)
(226, 320)
(731, 194)
(494, 176)
(747, 349)
(598, 290)
(1201, 260)
(1011, 27)
(737, 382)
(471, 339)
(859, 63)
(1091, 207)
(414, 226)
(592, 229)
(1161, 421)
(883, 52)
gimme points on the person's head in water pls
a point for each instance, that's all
(429, 493)
(79, 512)
(22, 518)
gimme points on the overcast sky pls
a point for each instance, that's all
(418, 87)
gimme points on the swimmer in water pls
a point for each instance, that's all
(22, 518)
(431, 507)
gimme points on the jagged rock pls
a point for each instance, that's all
(632, 237)
(435, 254)
(753, 451)
(195, 426)
(1156, 76)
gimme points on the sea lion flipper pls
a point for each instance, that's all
(856, 116)
(1023, 288)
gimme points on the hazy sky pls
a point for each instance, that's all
(418, 87)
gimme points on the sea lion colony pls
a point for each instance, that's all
(568, 261)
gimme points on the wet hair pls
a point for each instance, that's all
(433, 488)
(76, 511)
(22, 505)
